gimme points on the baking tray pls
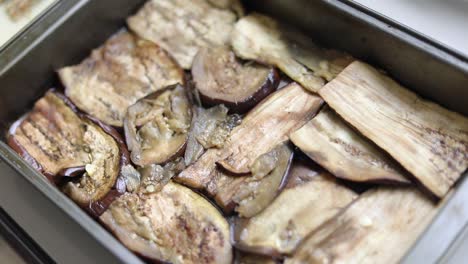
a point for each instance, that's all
(69, 30)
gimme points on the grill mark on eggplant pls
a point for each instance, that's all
(30, 137)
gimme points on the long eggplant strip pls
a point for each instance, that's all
(379, 227)
(311, 197)
(429, 141)
(333, 144)
(258, 37)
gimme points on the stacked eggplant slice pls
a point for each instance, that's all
(204, 135)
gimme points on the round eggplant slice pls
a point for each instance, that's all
(222, 79)
(101, 172)
(64, 143)
(117, 74)
(310, 198)
(156, 127)
(174, 225)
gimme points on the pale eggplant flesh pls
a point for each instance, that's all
(266, 126)
(311, 197)
(204, 123)
(248, 195)
(269, 175)
(261, 38)
(215, 126)
(154, 177)
(378, 227)
(156, 126)
(428, 140)
(337, 147)
(263, 129)
(182, 27)
(117, 74)
(59, 143)
(173, 225)
(221, 78)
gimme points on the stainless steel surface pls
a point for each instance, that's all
(71, 30)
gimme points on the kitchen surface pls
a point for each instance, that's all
(442, 20)
(9, 26)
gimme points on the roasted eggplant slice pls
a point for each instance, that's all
(330, 142)
(248, 195)
(269, 174)
(156, 127)
(267, 125)
(311, 198)
(258, 37)
(429, 141)
(263, 129)
(56, 138)
(222, 79)
(379, 227)
(174, 225)
(182, 27)
(117, 74)
(210, 129)
(154, 177)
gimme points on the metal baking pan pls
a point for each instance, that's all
(71, 28)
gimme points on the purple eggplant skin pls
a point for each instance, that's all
(95, 208)
(269, 86)
(221, 78)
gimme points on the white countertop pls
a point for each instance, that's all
(443, 20)
(9, 28)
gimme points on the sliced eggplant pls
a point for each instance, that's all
(123, 70)
(222, 79)
(174, 225)
(267, 125)
(379, 227)
(429, 141)
(60, 141)
(154, 177)
(311, 198)
(258, 37)
(269, 175)
(156, 126)
(210, 129)
(248, 195)
(330, 142)
(182, 27)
